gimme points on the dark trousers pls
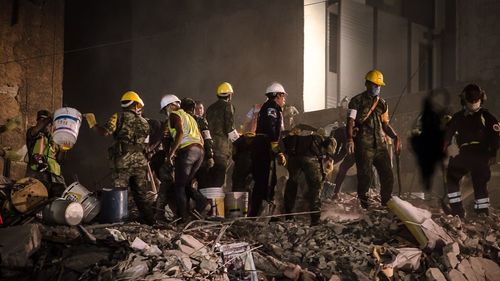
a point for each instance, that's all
(310, 166)
(378, 157)
(241, 171)
(187, 163)
(347, 163)
(477, 164)
(261, 170)
(166, 194)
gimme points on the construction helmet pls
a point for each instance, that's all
(168, 99)
(376, 77)
(274, 89)
(129, 97)
(224, 89)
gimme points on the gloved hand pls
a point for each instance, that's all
(12, 155)
(12, 123)
(210, 162)
(90, 117)
(275, 147)
(281, 159)
(350, 146)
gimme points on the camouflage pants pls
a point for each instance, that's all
(136, 178)
(311, 168)
(379, 158)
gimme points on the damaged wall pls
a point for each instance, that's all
(31, 65)
(182, 47)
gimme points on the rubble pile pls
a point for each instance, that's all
(351, 244)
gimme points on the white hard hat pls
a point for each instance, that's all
(168, 99)
(275, 87)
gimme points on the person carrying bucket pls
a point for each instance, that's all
(129, 164)
(45, 155)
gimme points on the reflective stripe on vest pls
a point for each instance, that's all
(469, 143)
(189, 127)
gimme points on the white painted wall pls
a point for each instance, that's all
(314, 54)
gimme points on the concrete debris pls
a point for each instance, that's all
(340, 248)
(18, 243)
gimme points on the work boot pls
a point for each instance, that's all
(363, 201)
(315, 220)
(482, 212)
(457, 209)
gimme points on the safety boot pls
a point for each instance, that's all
(457, 209)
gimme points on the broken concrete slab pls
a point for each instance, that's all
(491, 269)
(193, 243)
(18, 243)
(467, 270)
(456, 275)
(138, 244)
(450, 260)
(292, 272)
(434, 274)
(477, 267)
(182, 257)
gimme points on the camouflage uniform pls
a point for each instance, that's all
(129, 164)
(305, 155)
(220, 117)
(202, 176)
(370, 146)
(242, 157)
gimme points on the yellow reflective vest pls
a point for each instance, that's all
(189, 127)
(48, 150)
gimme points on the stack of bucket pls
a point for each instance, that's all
(229, 204)
(67, 123)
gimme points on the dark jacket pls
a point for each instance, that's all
(270, 121)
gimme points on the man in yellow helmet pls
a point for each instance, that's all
(129, 164)
(220, 117)
(368, 114)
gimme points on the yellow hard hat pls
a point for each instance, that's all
(131, 96)
(375, 76)
(224, 89)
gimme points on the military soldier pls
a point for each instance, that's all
(189, 106)
(305, 155)
(477, 135)
(45, 155)
(369, 114)
(266, 148)
(220, 117)
(185, 153)
(129, 164)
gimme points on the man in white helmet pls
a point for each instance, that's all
(265, 148)
(185, 154)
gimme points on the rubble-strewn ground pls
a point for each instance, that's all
(342, 248)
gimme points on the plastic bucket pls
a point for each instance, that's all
(115, 202)
(215, 196)
(62, 211)
(236, 204)
(76, 192)
(67, 123)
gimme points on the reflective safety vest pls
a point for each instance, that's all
(189, 127)
(44, 147)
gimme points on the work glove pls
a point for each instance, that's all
(275, 147)
(350, 146)
(12, 123)
(90, 117)
(210, 162)
(281, 159)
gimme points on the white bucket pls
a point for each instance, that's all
(62, 211)
(67, 123)
(236, 204)
(76, 192)
(215, 196)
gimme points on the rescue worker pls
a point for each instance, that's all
(45, 155)
(266, 148)
(369, 115)
(127, 154)
(305, 155)
(251, 118)
(289, 113)
(242, 157)
(199, 109)
(477, 135)
(189, 106)
(185, 154)
(11, 124)
(220, 117)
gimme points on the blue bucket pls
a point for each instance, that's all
(114, 206)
